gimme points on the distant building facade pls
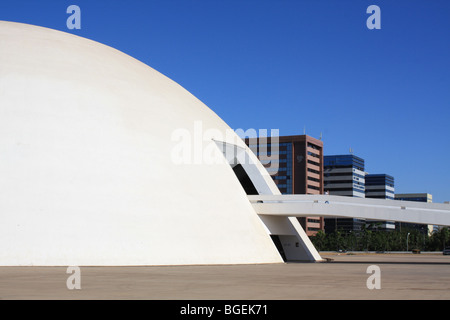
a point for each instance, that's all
(299, 170)
(380, 186)
(344, 175)
(419, 197)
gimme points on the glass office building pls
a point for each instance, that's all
(380, 186)
(344, 176)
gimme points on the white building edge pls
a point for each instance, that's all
(94, 168)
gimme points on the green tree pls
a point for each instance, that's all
(440, 239)
(320, 240)
(371, 239)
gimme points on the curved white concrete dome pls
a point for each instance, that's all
(86, 169)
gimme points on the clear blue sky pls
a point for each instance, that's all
(295, 64)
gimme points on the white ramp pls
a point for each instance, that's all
(350, 207)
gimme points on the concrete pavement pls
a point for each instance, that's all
(402, 276)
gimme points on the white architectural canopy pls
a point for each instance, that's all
(102, 163)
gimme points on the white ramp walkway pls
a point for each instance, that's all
(349, 207)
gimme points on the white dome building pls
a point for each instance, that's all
(89, 173)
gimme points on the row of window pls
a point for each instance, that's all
(343, 189)
(313, 146)
(313, 155)
(313, 179)
(269, 145)
(268, 153)
(344, 160)
(380, 197)
(285, 188)
(313, 171)
(342, 174)
(281, 178)
(329, 167)
(267, 161)
(280, 169)
(380, 190)
(343, 181)
(419, 199)
(378, 183)
(314, 163)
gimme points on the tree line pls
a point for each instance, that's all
(379, 240)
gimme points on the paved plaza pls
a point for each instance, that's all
(402, 276)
